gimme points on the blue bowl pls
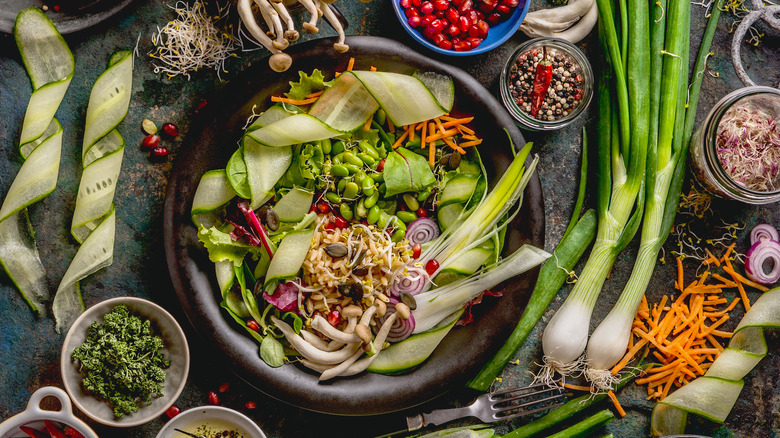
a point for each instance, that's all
(497, 35)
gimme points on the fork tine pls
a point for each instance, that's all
(524, 388)
(523, 413)
(529, 403)
(496, 400)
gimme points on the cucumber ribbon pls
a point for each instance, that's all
(94, 220)
(343, 108)
(50, 65)
(713, 395)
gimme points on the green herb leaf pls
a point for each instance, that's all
(310, 161)
(308, 84)
(406, 171)
(272, 352)
(297, 321)
(222, 248)
(237, 174)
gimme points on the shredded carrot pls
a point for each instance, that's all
(615, 402)
(441, 134)
(351, 64)
(740, 279)
(401, 139)
(432, 154)
(410, 130)
(471, 143)
(367, 126)
(680, 274)
(315, 94)
(423, 138)
(390, 126)
(372, 68)
(293, 101)
(576, 387)
(450, 122)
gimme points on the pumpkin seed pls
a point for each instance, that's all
(344, 289)
(454, 161)
(356, 292)
(409, 300)
(336, 250)
(360, 271)
(271, 219)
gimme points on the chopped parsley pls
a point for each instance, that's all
(121, 361)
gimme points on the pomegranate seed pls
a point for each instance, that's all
(415, 21)
(452, 30)
(455, 40)
(334, 318)
(494, 18)
(340, 222)
(487, 7)
(252, 324)
(477, 16)
(445, 44)
(170, 129)
(464, 23)
(56, 8)
(213, 398)
(511, 3)
(426, 8)
(438, 38)
(437, 25)
(250, 405)
(462, 46)
(406, 4)
(452, 15)
(440, 14)
(520, 101)
(483, 29)
(431, 266)
(200, 106)
(428, 32)
(313, 207)
(503, 9)
(474, 41)
(330, 226)
(411, 12)
(474, 31)
(416, 3)
(421, 212)
(440, 5)
(224, 387)
(381, 166)
(456, 2)
(150, 142)
(159, 152)
(323, 207)
(416, 250)
(172, 411)
(427, 20)
(464, 7)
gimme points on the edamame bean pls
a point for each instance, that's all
(383, 188)
(380, 116)
(371, 200)
(406, 216)
(339, 170)
(378, 177)
(327, 146)
(346, 211)
(411, 202)
(373, 214)
(383, 217)
(351, 168)
(367, 185)
(350, 190)
(337, 147)
(368, 149)
(333, 197)
(360, 176)
(422, 196)
(360, 208)
(352, 159)
(342, 185)
(398, 235)
(367, 159)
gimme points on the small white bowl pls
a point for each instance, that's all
(33, 415)
(175, 349)
(191, 418)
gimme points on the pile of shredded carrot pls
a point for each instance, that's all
(682, 335)
(451, 130)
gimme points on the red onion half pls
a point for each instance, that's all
(401, 328)
(422, 230)
(763, 232)
(414, 281)
(759, 253)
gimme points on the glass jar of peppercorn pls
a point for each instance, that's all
(546, 84)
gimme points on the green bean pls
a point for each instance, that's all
(371, 199)
(337, 147)
(339, 170)
(333, 197)
(373, 214)
(342, 185)
(367, 185)
(352, 159)
(326, 145)
(350, 190)
(360, 208)
(367, 159)
(366, 147)
(406, 216)
(411, 201)
(346, 211)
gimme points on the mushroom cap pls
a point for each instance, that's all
(281, 44)
(403, 310)
(291, 35)
(363, 332)
(341, 48)
(310, 27)
(352, 311)
(280, 62)
(381, 308)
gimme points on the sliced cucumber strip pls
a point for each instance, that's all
(441, 86)
(459, 189)
(465, 265)
(95, 253)
(213, 192)
(96, 194)
(713, 395)
(294, 205)
(265, 165)
(449, 214)
(288, 259)
(50, 65)
(109, 99)
(225, 276)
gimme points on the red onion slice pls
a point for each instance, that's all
(401, 328)
(763, 232)
(422, 230)
(759, 253)
(413, 281)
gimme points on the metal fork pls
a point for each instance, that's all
(494, 406)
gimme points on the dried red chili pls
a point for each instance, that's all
(541, 83)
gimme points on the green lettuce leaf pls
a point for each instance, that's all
(406, 171)
(222, 248)
(308, 84)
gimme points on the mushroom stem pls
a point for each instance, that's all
(340, 368)
(362, 364)
(311, 25)
(311, 352)
(274, 23)
(314, 340)
(290, 34)
(339, 46)
(323, 326)
(278, 61)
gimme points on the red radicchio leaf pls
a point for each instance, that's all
(468, 317)
(239, 231)
(284, 298)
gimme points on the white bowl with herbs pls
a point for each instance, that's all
(125, 336)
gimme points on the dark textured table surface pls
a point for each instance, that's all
(30, 348)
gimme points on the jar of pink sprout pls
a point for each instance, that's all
(735, 153)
